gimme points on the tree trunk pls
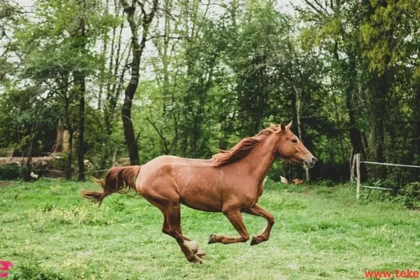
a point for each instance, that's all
(69, 127)
(379, 85)
(298, 104)
(58, 146)
(113, 89)
(28, 160)
(379, 88)
(137, 51)
(298, 108)
(68, 171)
(81, 86)
(351, 93)
(130, 138)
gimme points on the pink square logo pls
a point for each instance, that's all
(4, 267)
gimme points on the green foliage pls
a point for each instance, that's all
(404, 195)
(369, 49)
(276, 171)
(325, 183)
(411, 193)
(32, 270)
(25, 114)
(344, 71)
(10, 172)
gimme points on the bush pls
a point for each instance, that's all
(386, 183)
(276, 171)
(32, 270)
(10, 172)
(411, 192)
(326, 183)
(408, 195)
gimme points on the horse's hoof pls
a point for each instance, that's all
(195, 260)
(195, 248)
(254, 241)
(211, 239)
(192, 245)
(202, 255)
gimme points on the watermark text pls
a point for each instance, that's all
(402, 274)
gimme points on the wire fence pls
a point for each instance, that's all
(390, 164)
(358, 179)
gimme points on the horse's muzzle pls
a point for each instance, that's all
(310, 162)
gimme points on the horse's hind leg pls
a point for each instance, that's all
(167, 200)
(172, 227)
(190, 243)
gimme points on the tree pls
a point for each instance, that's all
(26, 120)
(137, 48)
(67, 38)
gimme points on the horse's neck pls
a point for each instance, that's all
(258, 162)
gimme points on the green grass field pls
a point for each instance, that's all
(49, 232)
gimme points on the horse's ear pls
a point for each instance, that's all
(289, 125)
(282, 127)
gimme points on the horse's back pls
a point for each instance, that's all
(193, 182)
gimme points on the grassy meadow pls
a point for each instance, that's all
(49, 232)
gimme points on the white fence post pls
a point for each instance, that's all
(358, 175)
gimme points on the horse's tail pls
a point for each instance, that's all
(117, 180)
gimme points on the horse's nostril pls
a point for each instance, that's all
(314, 160)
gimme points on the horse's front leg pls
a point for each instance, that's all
(235, 218)
(257, 210)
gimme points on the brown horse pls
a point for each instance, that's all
(231, 183)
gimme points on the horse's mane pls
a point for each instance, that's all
(244, 147)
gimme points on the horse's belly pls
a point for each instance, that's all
(201, 200)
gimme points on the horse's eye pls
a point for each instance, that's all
(294, 141)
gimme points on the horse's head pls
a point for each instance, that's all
(290, 148)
